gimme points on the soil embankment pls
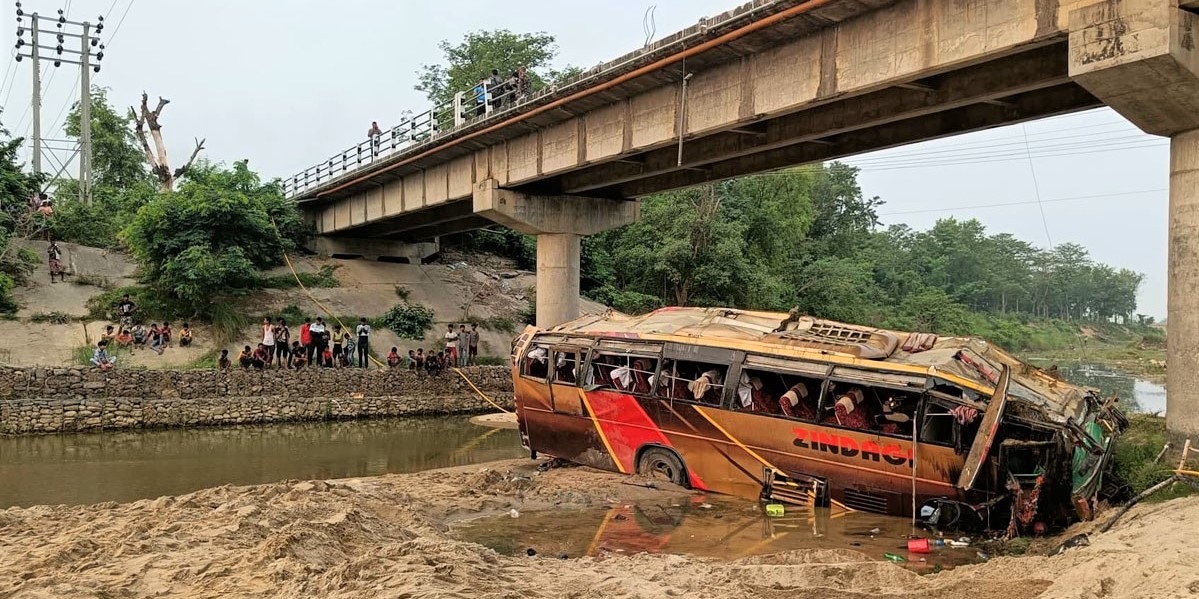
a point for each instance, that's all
(387, 537)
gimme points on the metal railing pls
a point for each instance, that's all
(414, 130)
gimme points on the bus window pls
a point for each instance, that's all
(536, 362)
(701, 382)
(566, 364)
(949, 425)
(623, 372)
(777, 393)
(865, 407)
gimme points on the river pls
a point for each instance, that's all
(121, 466)
(1136, 395)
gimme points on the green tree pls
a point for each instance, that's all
(480, 52)
(121, 181)
(117, 161)
(211, 236)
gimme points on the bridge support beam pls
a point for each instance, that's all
(1140, 58)
(559, 222)
(373, 249)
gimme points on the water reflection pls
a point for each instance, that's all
(719, 527)
(1136, 395)
(129, 465)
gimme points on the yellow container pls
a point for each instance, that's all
(774, 510)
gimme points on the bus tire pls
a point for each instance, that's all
(663, 464)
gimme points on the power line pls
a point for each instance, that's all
(1026, 202)
(1036, 187)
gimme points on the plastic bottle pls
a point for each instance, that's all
(895, 558)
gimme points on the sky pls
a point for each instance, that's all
(288, 83)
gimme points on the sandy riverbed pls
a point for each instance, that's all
(386, 537)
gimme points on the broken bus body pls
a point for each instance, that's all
(874, 420)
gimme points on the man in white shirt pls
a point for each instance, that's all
(364, 336)
(451, 344)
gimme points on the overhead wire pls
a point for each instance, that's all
(1036, 187)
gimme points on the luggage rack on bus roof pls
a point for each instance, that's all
(825, 335)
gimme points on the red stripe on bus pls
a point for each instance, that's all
(628, 427)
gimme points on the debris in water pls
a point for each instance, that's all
(530, 552)
(875, 531)
(983, 556)
(563, 556)
(899, 559)
(512, 512)
(706, 506)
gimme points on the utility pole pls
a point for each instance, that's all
(61, 54)
(85, 117)
(37, 95)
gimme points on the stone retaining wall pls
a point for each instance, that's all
(52, 400)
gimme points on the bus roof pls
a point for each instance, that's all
(971, 359)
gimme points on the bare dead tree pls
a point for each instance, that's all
(157, 157)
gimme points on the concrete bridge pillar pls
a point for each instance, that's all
(1140, 58)
(559, 222)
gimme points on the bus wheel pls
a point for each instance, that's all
(662, 464)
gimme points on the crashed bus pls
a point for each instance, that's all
(795, 409)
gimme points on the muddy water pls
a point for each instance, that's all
(130, 465)
(712, 526)
(1136, 395)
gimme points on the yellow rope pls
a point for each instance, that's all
(481, 394)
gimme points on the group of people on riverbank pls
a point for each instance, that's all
(461, 350)
(317, 344)
(133, 335)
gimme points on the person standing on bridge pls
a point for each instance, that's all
(480, 92)
(523, 86)
(373, 135)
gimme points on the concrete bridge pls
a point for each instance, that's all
(774, 84)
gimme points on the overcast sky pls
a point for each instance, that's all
(287, 83)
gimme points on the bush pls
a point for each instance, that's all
(151, 305)
(408, 321)
(51, 317)
(213, 235)
(323, 279)
(403, 292)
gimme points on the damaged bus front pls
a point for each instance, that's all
(816, 412)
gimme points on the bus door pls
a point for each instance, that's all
(565, 391)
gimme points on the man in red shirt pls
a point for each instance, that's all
(306, 338)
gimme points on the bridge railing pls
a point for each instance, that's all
(466, 107)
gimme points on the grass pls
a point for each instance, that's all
(502, 324)
(82, 355)
(51, 317)
(322, 279)
(1135, 450)
(491, 361)
(208, 361)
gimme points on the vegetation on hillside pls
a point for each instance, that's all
(204, 241)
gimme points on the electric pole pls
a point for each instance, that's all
(61, 53)
(37, 92)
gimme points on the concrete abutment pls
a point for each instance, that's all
(559, 222)
(1139, 57)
